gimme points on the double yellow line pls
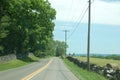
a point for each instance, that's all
(37, 71)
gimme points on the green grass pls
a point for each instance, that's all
(81, 73)
(17, 63)
(101, 62)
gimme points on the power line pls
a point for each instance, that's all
(78, 23)
(83, 12)
(74, 15)
(69, 8)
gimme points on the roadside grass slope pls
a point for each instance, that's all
(81, 73)
(17, 63)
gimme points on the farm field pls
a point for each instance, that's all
(99, 61)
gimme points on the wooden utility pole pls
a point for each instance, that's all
(65, 41)
(88, 45)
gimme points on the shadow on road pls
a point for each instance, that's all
(28, 59)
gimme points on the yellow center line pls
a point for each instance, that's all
(28, 77)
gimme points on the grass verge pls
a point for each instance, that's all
(17, 63)
(81, 73)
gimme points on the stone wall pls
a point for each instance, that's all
(107, 71)
(7, 58)
(13, 57)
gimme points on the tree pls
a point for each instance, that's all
(60, 48)
(3, 21)
(30, 26)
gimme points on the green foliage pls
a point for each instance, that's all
(50, 48)
(1, 48)
(25, 26)
(60, 48)
(38, 53)
(115, 57)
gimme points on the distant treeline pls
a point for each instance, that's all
(103, 56)
(114, 57)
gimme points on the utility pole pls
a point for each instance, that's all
(65, 41)
(88, 45)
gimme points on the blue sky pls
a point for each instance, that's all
(105, 25)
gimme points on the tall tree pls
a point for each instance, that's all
(3, 21)
(30, 26)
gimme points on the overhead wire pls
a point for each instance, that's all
(73, 17)
(68, 15)
(82, 16)
(71, 6)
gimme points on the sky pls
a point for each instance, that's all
(72, 15)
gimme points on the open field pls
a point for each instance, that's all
(101, 62)
(81, 73)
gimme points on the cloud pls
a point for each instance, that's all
(106, 13)
(111, 0)
(103, 12)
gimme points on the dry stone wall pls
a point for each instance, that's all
(108, 71)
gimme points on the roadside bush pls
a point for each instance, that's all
(38, 53)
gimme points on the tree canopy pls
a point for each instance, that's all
(25, 26)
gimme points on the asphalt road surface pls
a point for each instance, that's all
(45, 69)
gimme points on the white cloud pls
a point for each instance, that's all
(102, 12)
(106, 13)
(64, 27)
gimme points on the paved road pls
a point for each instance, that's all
(45, 69)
